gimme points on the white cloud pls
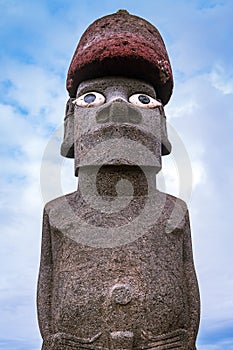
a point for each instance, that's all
(222, 80)
(39, 93)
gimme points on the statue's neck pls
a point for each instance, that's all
(117, 180)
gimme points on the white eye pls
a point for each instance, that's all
(90, 99)
(144, 101)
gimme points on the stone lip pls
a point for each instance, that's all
(125, 45)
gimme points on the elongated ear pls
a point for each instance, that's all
(166, 145)
(67, 146)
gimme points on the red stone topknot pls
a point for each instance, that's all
(125, 45)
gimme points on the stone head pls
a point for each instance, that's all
(118, 81)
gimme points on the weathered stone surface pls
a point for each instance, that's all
(146, 287)
(116, 267)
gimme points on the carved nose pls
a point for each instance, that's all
(118, 111)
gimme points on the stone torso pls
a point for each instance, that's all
(136, 288)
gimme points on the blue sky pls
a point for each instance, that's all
(38, 39)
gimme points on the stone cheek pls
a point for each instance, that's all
(134, 288)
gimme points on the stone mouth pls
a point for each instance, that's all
(115, 131)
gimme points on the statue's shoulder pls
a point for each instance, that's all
(172, 200)
(60, 212)
(57, 203)
(174, 210)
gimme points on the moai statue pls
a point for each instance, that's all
(117, 269)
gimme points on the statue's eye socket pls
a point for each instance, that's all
(90, 99)
(144, 101)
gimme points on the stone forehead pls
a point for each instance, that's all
(112, 84)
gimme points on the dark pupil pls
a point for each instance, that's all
(89, 98)
(144, 99)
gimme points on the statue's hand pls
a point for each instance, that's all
(57, 341)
